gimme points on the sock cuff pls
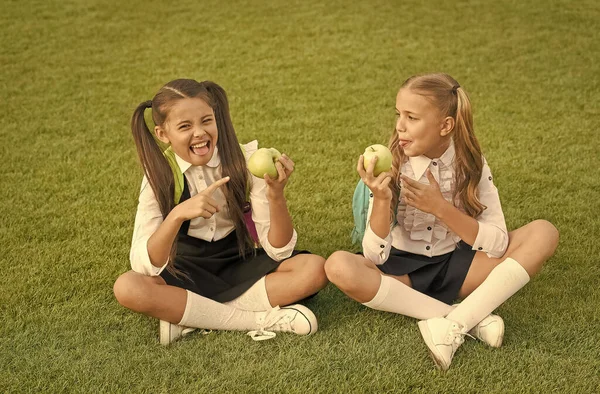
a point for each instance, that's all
(188, 308)
(262, 282)
(384, 288)
(513, 267)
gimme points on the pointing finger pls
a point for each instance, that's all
(215, 185)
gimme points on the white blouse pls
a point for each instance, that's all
(148, 216)
(422, 233)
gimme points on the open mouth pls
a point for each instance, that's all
(200, 148)
(404, 143)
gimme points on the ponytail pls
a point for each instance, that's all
(233, 164)
(469, 158)
(156, 168)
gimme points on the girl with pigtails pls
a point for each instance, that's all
(194, 261)
(435, 230)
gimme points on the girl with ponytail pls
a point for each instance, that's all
(436, 231)
(195, 262)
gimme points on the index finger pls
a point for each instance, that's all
(215, 185)
(411, 182)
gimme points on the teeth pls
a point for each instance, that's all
(200, 145)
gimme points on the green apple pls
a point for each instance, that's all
(263, 162)
(384, 158)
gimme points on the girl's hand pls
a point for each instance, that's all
(202, 204)
(285, 167)
(426, 198)
(380, 185)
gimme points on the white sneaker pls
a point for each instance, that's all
(490, 330)
(442, 336)
(293, 318)
(169, 332)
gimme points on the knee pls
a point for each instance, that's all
(337, 268)
(547, 233)
(130, 291)
(314, 268)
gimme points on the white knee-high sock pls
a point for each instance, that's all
(504, 281)
(254, 299)
(202, 312)
(395, 296)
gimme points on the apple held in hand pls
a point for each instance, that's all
(384, 158)
(263, 162)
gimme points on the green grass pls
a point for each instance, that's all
(318, 82)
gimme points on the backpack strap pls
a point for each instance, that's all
(177, 174)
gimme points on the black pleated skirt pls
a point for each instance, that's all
(440, 277)
(215, 269)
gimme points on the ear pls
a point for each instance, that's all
(161, 134)
(447, 126)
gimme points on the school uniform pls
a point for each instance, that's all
(420, 245)
(207, 251)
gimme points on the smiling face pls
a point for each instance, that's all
(421, 128)
(191, 129)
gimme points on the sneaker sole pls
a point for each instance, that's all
(307, 313)
(165, 333)
(425, 333)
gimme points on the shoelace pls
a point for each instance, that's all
(457, 334)
(273, 320)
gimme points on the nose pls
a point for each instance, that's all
(400, 124)
(199, 132)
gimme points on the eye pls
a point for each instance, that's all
(410, 117)
(207, 121)
(184, 126)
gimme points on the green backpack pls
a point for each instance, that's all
(360, 211)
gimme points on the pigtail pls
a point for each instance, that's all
(233, 164)
(469, 158)
(398, 159)
(156, 168)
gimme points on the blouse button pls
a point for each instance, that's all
(429, 228)
(381, 246)
(370, 194)
(427, 247)
(490, 178)
(212, 228)
(480, 248)
(434, 163)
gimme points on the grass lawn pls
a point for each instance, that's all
(317, 80)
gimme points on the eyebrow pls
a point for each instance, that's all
(412, 112)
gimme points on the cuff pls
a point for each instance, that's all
(284, 252)
(376, 248)
(491, 240)
(140, 261)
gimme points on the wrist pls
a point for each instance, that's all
(176, 215)
(275, 197)
(442, 210)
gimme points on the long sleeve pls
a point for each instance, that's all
(261, 215)
(492, 237)
(147, 220)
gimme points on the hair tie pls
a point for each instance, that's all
(149, 104)
(455, 88)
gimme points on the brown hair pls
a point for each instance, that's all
(157, 169)
(452, 100)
